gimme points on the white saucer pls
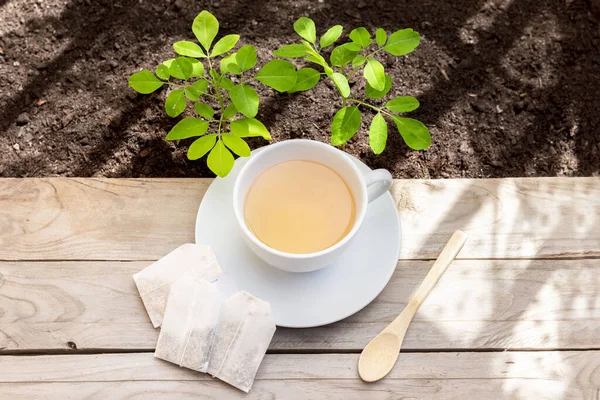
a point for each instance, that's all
(303, 300)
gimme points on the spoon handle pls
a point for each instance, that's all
(440, 266)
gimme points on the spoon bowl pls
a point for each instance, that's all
(379, 357)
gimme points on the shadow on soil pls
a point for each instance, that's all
(556, 97)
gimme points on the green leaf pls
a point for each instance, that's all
(220, 160)
(358, 61)
(245, 99)
(345, 124)
(378, 94)
(380, 36)
(378, 133)
(309, 48)
(352, 46)
(195, 90)
(307, 78)
(342, 55)
(224, 44)
(226, 83)
(415, 134)
(187, 128)
(246, 57)
(375, 74)
(175, 103)
(278, 74)
(229, 64)
(249, 127)
(236, 144)
(317, 60)
(200, 85)
(331, 36)
(402, 42)
(197, 67)
(230, 111)
(204, 110)
(402, 104)
(328, 70)
(144, 82)
(361, 36)
(168, 63)
(305, 27)
(201, 146)
(342, 83)
(205, 28)
(162, 71)
(291, 51)
(189, 49)
(191, 94)
(181, 68)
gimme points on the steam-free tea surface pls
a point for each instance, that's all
(299, 206)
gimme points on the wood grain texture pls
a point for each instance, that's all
(478, 304)
(143, 219)
(504, 218)
(505, 375)
(96, 219)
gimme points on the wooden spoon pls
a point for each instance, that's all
(380, 355)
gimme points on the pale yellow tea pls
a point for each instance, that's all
(299, 207)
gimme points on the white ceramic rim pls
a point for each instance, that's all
(337, 153)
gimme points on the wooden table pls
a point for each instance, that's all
(516, 316)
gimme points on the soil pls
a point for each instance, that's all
(507, 87)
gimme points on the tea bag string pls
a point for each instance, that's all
(188, 326)
(231, 343)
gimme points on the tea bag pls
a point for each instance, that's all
(154, 282)
(188, 327)
(242, 337)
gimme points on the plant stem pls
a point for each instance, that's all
(216, 86)
(247, 80)
(362, 103)
(219, 128)
(177, 85)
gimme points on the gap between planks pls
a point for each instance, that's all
(64, 352)
(548, 258)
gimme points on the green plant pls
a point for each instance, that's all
(217, 97)
(345, 61)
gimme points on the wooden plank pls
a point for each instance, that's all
(96, 219)
(505, 218)
(502, 375)
(484, 304)
(135, 219)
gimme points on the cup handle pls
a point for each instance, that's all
(378, 182)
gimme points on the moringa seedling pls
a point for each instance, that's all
(194, 80)
(345, 62)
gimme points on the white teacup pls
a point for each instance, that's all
(365, 189)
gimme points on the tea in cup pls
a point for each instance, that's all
(300, 202)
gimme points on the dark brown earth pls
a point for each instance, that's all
(507, 87)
